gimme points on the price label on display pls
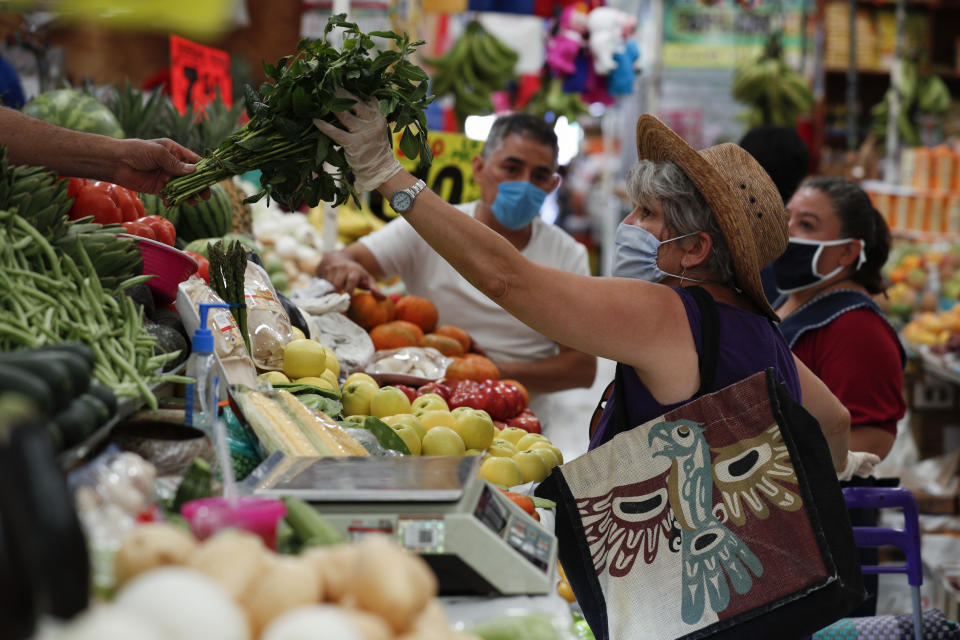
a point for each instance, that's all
(197, 72)
(450, 175)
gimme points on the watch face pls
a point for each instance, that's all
(401, 201)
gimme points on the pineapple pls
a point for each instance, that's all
(242, 218)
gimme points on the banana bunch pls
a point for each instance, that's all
(927, 95)
(552, 97)
(476, 66)
(775, 93)
(40, 198)
(352, 223)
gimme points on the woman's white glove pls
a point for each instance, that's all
(365, 143)
(860, 464)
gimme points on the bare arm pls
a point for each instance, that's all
(833, 417)
(568, 369)
(351, 267)
(872, 439)
(142, 165)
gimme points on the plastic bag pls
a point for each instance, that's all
(267, 322)
(423, 362)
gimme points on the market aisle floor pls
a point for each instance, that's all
(569, 420)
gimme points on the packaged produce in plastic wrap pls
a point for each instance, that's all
(420, 362)
(228, 342)
(268, 324)
(323, 309)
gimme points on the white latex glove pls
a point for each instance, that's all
(365, 143)
(860, 464)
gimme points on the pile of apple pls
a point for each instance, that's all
(306, 361)
(909, 270)
(428, 426)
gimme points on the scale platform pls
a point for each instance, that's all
(475, 539)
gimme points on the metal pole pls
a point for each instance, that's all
(891, 169)
(656, 58)
(852, 111)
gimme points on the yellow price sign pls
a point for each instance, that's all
(450, 175)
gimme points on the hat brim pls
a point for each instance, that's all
(658, 143)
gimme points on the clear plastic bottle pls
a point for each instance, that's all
(203, 394)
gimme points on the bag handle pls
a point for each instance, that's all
(709, 350)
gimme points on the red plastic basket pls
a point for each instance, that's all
(168, 266)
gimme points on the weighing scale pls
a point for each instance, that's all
(476, 540)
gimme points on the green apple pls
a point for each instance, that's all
(410, 437)
(524, 443)
(547, 455)
(536, 446)
(435, 418)
(512, 434)
(473, 452)
(442, 441)
(359, 375)
(474, 426)
(389, 401)
(502, 448)
(407, 419)
(502, 471)
(532, 466)
(356, 397)
(429, 402)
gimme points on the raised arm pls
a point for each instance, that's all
(142, 165)
(569, 369)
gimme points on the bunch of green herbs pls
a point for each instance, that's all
(299, 164)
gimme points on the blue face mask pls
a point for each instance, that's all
(636, 254)
(517, 203)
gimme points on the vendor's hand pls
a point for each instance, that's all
(147, 165)
(347, 275)
(365, 143)
(860, 464)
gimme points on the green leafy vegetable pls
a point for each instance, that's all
(386, 436)
(323, 404)
(281, 140)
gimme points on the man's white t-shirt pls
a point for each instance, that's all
(400, 250)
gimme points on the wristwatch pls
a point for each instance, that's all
(402, 201)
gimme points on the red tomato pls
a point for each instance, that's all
(93, 201)
(141, 211)
(163, 228)
(410, 392)
(204, 270)
(126, 201)
(138, 228)
(74, 186)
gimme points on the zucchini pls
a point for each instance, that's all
(106, 396)
(77, 367)
(309, 525)
(27, 384)
(41, 522)
(16, 598)
(197, 483)
(76, 422)
(55, 373)
(97, 406)
(79, 348)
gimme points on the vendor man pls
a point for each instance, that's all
(515, 172)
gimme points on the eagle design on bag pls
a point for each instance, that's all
(750, 476)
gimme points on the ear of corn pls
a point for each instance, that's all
(326, 435)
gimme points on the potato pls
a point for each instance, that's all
(390, 582)
(334, 566)
(232, 558)
(370, 626)
(284, 583)
(149, 546)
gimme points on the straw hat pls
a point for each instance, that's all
(743, 198)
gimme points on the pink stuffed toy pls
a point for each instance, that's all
(562, 48)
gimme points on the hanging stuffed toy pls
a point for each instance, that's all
(620, 82)
(609, 29)
(563, 47)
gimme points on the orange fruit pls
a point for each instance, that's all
(444, 344)
(472, 367)
(419, 311)
(396, 334)
(369, 312)
(456, 333)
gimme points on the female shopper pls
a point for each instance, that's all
(838, 244)
(716, 233)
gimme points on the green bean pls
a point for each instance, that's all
(42, 243)
(24, 338)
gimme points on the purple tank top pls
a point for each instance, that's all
(748, 343)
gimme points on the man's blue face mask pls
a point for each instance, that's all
(517, 203)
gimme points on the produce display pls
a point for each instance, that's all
(775, 93)
(281, 140)
(76, 110)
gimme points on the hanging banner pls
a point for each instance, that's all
(197, 72)
(450, 175)
(698, 36)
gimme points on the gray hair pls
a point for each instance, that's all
(684, 209)
(522, 124)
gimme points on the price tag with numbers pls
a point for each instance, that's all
(197, 72)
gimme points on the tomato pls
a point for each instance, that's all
(74, 186)
(410, 392)
(163, 228)
(141, 211)
(126, 201)
(92, 201)
(204, 270)
(138, 228)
